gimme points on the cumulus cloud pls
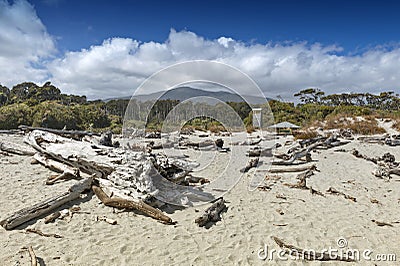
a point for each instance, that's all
(118, 66)
(24, 44)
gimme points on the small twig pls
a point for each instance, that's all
(37, 231)
(280, 224)
(381, 223)
(52, 217)
(33, 256)
(107, 220)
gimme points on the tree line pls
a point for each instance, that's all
(45, 106)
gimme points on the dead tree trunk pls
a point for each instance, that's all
(212, 214)
(121, 203)
(75, 134)
(16, 149)
(46, 206)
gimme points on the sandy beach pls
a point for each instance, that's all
(296, 216)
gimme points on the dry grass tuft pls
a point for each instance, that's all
(305, 134)
(217, 128)
(366, 125)
(396, 124)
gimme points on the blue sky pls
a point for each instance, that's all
(353, 25)
(107, 48)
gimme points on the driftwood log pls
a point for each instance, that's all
(16, 149)
(139, 205)
(75, 134)
(258, 151)
(302, 183)
(10, 131)
(293, 169)
(67, 172)
(130, 173)
(212, 213)
(46, 206)
(386, 165)
(252, 163)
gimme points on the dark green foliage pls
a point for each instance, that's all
(4, 95)
(54, 115)
(241, 108)
(13, 115)
(30, 104)
(310, 95)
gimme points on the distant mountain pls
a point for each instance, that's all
(184, 93)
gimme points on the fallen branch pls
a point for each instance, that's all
(75, 134)
(212, 213)
(52, 217)
(33, 256)
(252, 163)
(67, 172)
(121, 203)
(302, 183)
(46, 206)
(309, 254)
(333, 191)
(16, 149)
(293, 169)
(37, 231)
(381, 223)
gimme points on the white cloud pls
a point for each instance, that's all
(119, 65)
(24, 44)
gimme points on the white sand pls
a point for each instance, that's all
(246, 226)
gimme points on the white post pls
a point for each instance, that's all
(257, 117)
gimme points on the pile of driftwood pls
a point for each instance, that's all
(298, 159)
(301, 153)
(120, 178)
(390, 140)
(386, 165)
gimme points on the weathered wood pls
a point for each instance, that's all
(333, 191)
(386, 165)
(85, 161)
(33, 256)
(378, 223)
(252, 163)
(46, 206)
(75, 134)
(16, 149)
(293, 169)
(257, 152)
(107, 220)
(212, 213)
(308, 255)
(11, 131)
(52, 217)
(139, 205)
(39, 232)
(300, 154)
(302, 183)
(67, 172)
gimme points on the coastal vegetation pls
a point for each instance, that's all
(45, 106)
